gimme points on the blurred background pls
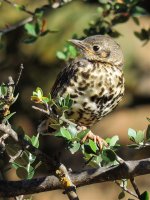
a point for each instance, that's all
(41, 68)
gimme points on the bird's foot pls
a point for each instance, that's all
(97, 139)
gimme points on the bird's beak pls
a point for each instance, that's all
(77, 43)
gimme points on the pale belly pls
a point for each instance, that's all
(95, 96)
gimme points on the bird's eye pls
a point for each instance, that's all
(95, 47)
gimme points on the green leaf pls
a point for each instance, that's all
(72, 51)
(144, 196)
(16, 165)
(139, 137)
(31, 29)
(45, 99)
(82, 134)
(72, 129)
(39, 92)
(113, 140)
(108, 155)
(121, 195)
(93, 146)
(64, 133)
(137, 11)
(148, 132)
(30, 171)
(35, 140)
(136, 20)
(30, 39)
(19, 7)
(23, 159)
(3, 90)
(22, 172)
(120, 19)
(8, 117)
(132, 134)
(74, 147)
(31, 158)
(61, 55)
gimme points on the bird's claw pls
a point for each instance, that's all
(97, 139)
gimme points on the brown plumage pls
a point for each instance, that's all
(94, 80)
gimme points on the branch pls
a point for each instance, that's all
(58, 169)
(17, 25)
(31, 18)
(23, 8)
(87, 177)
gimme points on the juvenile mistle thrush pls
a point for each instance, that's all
(94, 81)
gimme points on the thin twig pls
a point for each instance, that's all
(126, 189)
(17, 25)
(22, 8)
(41, 110)
(19, 74)
(135, 186)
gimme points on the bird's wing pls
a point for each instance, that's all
(64, 77)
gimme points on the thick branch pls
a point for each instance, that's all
(103, 174)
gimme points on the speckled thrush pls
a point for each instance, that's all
(94, 81)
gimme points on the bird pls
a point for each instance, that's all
(94, 80)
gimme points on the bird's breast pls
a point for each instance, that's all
(95, 89)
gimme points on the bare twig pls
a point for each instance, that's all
(41, 110)
(17, 25)
(22, 8)
(135, 186)
(19, 74)
(126, 190)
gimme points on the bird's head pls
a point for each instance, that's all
(100, 48)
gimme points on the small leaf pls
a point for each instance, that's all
(30, 39)
(35, 140)
(30, 28)
(30, 171)
(19, 7)
(93, 146)
(82, 134)
(132, 134)
(45, 99)
(72, 51)
(108, 155)
(74, 147)
(137, 11)
(8, 117)
(113, 140)
(139, 137)
(22, 172)
(64, 133)
(3, 90)
(39, 92)
(72, 129)
(61, 55)
(144, 196)
(35, 99)
(136, 20)
(121, 195)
